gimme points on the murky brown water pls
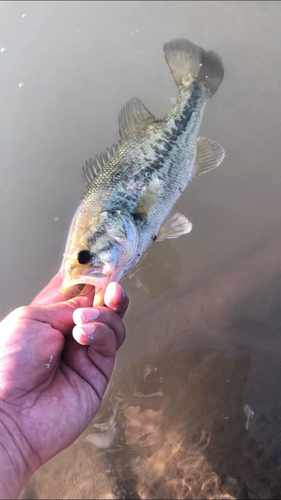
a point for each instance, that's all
(193, 410)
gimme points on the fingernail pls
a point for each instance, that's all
(88, 331)
(90, 314)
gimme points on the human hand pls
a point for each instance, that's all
(52, 382)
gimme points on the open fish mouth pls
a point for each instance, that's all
(99, 280)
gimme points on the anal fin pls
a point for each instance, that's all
(209, 155)
(174, 226)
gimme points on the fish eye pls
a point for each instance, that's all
(84, 257)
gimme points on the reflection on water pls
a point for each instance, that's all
(181, 426)
(158, 270)
(172, 426)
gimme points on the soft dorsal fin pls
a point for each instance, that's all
(133, 117)
(174, 226)
(209, 155)
(94, 165)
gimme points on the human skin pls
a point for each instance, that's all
(54, 370)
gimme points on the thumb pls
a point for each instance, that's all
(60, 316)
(116, 299)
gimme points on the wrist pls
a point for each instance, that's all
(17, 459)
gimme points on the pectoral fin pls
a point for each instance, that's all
(148, 199)
(174, 226)
(209, 155)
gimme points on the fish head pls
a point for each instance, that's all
(100, 248)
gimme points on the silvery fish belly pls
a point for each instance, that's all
(131, 190)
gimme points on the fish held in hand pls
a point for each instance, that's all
(132, 189)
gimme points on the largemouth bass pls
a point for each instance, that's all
(132, 189)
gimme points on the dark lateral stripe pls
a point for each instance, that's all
(191, 105)
(171, 137)
(105, 248)
(97, 234)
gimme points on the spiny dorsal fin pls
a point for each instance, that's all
(209, 155)
(94, 165)
(174, 226)
(133, 117)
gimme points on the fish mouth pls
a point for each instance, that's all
(98, 280)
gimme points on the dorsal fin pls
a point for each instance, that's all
(94, 165)
(133, 117)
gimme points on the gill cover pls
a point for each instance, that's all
(115, 240)
(110, 238)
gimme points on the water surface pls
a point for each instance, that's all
(193, 409)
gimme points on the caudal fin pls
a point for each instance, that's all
(188, 63)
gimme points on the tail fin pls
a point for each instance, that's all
(188, 62)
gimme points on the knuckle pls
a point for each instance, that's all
(21, 312)
(121, 336)
(109, 314)
(124, 333)
(105, 332)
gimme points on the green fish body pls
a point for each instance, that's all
(132, 190)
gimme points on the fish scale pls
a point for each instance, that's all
(132, 189)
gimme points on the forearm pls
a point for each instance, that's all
(17, 460)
